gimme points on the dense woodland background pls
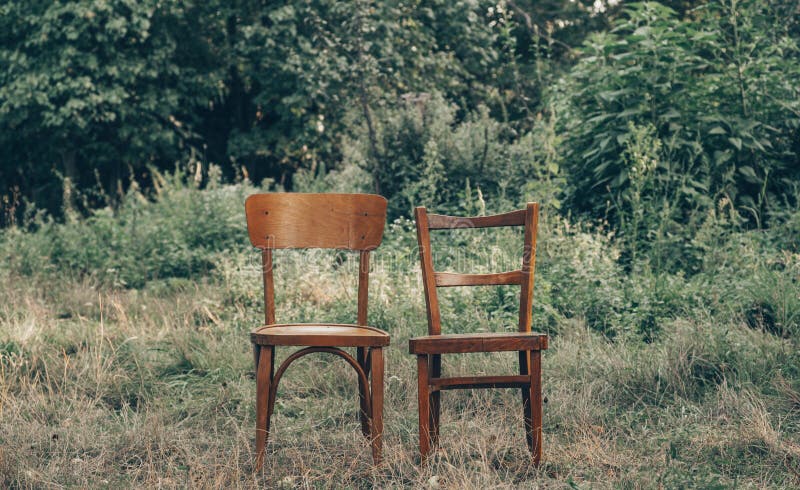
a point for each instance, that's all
(662, 140)
(598, 109)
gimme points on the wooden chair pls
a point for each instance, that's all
(332, 221)
(430, 348)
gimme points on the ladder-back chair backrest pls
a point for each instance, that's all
(527, 218)
(329, 221)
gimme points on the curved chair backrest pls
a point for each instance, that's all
(334, 221)
(295, 220)
(528, 218)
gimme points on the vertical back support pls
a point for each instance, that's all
(528, 267)
(363, 287)
(269, 286)
(428, 277)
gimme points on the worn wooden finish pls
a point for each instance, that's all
(321, 335)
(337, 221)
(429, 349)
(477, 342)
(294, 220)
(363, 391)
(269, 286)
(443, 222)
(449, 279)
(524, 370)
(536, 407)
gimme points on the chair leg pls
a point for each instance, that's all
(256, 353)
(376, 420)
(524, 369)
(363, 391)
(263, 382)
(530, 362)
(423, 399)
(436, 398)
(536, 405)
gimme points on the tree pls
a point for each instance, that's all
(97, 89)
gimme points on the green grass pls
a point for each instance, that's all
(652, 379)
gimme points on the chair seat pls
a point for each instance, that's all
(477, 342)
(319, 335)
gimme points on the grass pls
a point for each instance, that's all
(154, 387)
(652, 379)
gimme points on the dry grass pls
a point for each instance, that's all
(105, 388)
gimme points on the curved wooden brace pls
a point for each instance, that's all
(310, 350)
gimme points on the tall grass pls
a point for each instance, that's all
(125, 359)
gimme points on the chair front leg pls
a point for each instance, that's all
(263, 384)
(423, 400)
(376, 420)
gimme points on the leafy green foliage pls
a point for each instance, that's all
(424, 155)
(98, 91)
(720, 92)
(94, 90)
(177, 234)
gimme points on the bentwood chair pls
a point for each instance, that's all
(430, 348)
(331, 221)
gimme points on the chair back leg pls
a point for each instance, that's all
(423, 401)
(363, 392)
(436, 399)
(530, 363)
(536, 406)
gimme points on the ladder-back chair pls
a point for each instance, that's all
(430, 348)
(330, 221)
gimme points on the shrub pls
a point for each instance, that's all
(422, 153)
(716, 97)
(176, 233)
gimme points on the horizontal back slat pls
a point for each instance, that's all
(443, 222)
(295, 220)
(449, 279)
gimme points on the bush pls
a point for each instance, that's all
(423, 154)
(714, 98)
(175, 233)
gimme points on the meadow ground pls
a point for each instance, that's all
(125, 358)
(112, 387)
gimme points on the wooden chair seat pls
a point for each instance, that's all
(477, 342)
(320, 335)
